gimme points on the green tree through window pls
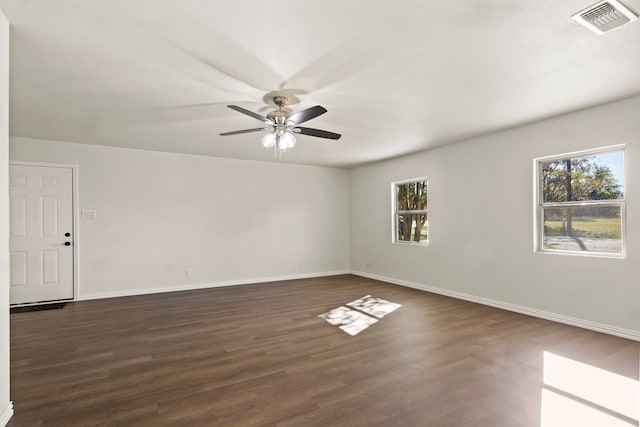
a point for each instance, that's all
(581, 203)
(410, 200)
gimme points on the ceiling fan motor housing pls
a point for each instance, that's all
(280, 101)
(278, 116)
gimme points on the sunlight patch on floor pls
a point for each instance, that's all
(351, 321)
(360, 314)
(374, 306)
(577, 394)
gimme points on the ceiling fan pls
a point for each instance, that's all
(281, 125)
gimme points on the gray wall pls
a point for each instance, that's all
(227, 220)
(481, 222)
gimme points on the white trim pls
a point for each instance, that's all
(6, 415)
(40, 164)
(610, 255)
(583, 153)
(537, 232)
(75, 209)
(410, 180)
(194, 286)
(560, 318)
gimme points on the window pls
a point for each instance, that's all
(580, 203)
(410, 224)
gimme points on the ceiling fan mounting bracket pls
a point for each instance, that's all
(280, 101)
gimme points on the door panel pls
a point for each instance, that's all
(18, 268)
(50, 268)
(49, 215)
(18, 215)
(41, 212)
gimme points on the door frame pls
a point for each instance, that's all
(74, 220)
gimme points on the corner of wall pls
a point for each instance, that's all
(6, 407)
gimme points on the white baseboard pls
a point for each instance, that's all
(194, 286)
(6, 414)
(560, 318)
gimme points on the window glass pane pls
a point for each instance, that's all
(411, 227)
(583, 228)
(595, 177)
(411, 196)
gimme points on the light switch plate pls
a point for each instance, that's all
(88, 214)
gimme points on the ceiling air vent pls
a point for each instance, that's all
(604, 16)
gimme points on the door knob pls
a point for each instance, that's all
(67, 234)
(67, 243)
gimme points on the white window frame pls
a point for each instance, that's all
(539, 204)
(395, 212)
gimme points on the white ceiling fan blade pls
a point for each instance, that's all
(216, 49)
(221, 67)
(346, 60)
(169, 114)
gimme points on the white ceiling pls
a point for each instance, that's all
(396, 76)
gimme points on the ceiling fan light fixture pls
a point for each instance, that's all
(269, 140)
(286, 141)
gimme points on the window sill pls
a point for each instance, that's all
(411, 243)
(583, 254)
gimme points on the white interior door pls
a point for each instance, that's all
(41, 238)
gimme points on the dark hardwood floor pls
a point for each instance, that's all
(258, 355)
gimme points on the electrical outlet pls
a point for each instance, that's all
(299, 264)
(367, 264)
(187, 272)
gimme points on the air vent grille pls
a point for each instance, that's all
(605, 16)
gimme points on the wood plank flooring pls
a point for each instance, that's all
(258, 355)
